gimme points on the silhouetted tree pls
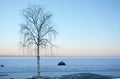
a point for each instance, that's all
(37, 30)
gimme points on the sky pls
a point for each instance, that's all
(85, 27)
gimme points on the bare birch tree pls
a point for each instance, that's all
(37, 30)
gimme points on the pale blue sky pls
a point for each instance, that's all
(86, 27)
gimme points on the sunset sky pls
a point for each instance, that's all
(85, 27)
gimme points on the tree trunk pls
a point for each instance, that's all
(38, 62)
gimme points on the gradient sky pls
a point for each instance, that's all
(85, 27)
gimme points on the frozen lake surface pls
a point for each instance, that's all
(24, 67)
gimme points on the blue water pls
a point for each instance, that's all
(23, 67)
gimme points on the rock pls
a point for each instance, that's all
(61, 63)
(85, 76)
(41, 77)
(2, 65)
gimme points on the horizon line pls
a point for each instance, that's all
(50, 56)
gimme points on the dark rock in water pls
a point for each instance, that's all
(2, 65)
(61, 63)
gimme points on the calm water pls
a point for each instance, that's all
(23, 67)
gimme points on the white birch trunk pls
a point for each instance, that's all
(38, 62)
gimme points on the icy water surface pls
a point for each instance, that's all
(23, 67)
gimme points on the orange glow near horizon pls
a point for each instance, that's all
(67, 51)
